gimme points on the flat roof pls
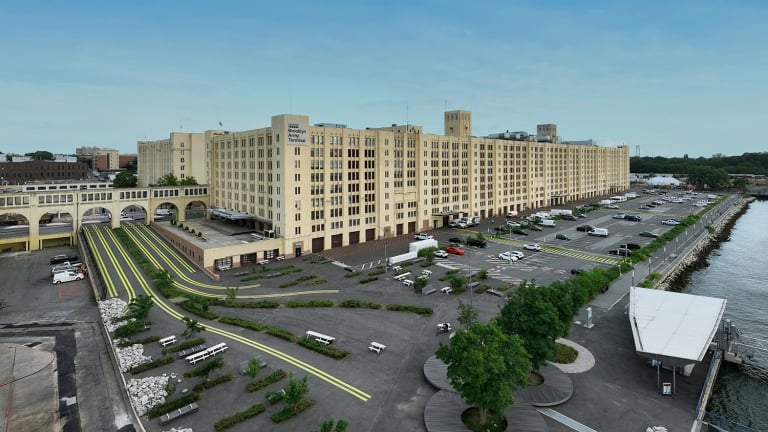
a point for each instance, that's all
(673, 326)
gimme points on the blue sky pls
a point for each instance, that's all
(668, 78)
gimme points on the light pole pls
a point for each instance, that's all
(470, 278)
(649, 266)
(633, 277)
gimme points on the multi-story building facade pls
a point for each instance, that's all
(327, 185)
(17, 173)
(183, 154)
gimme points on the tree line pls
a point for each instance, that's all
(747, 163)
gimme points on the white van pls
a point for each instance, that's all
(67, 276)
(547, 223)
(599, 232)
(163, 212)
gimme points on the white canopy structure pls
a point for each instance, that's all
(671, 327)
(664, 181)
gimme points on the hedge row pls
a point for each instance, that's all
(252, 325)
(193, 308)
(354, 304)
(424, 311)
(281, 333)
(311, 303)
(239, 417)
(326, 350)
(270, 379)
(262, 304)
(205, 385)
(368, 279)
(151, 365)
(292, 411)
(205, 368)
(353, 274)
(131, 328)
(171, 405)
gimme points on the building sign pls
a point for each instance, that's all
(297, 133)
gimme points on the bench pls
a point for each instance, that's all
(194, 358)
(396, 268)
(422, 277)
(408, 282)
(168, 340)
(402, 276)
(496, 293)
(173, 415)
(446, 290)
(430, 291)
(210, 352)
(262, 262)
(426, 273)
(281, 257)
(319, 337)
(376, 347)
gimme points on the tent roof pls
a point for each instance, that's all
(673, 326)
(663, 180)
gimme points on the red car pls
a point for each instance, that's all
(454, 250)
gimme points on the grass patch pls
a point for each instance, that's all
(564, 354)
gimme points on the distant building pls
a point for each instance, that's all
(27, 171)
(183, 154)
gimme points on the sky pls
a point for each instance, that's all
(666, 78)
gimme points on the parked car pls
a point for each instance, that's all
(477, 242)
(455, 240)
(576, 271)
(568, 217)
(532, 247)
(620, 251)
(508, 256)
(585, 228)
(423, 236)
(518, 231)
(440, 254)
(454, 250)
(670, 222)
(612, 206)
(501, 228)
(513, 224)
(562, 237)
(67, 276)
(633, 218)
(62, 258)
(581, 215)
(631, 246)
(533, 227)
(518, 254)
(619, 216)
(648, 234)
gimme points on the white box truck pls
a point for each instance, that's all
(560, 212)
(547, 223)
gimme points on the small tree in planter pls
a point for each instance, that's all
(199, 233)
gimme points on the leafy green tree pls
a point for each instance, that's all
(419, 284)
(232, 292)
(529, 315)
(193, 327)
(458, 284)
(125, 180)
(467, 314)
(168, 180)
(254, 367)
(486, 366)
(295, 391)
(132, 166)
(740, 184)
(188, 181)
(41, 156)
(140, 306)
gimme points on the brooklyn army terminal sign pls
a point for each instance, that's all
(297, 133)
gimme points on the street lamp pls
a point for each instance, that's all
(649, 266)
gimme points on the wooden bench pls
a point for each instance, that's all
(321, 338)
(169, 340)
(376, 347)
(173, 415)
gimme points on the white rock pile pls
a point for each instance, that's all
(144, 392)
(147, 392)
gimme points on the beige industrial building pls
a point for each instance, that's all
(326, 185)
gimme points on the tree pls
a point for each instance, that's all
(741, 184)
(168, 180)
(193, 327)
(41, 156)
(419, 284)
(486, 366)
(132, 166)
(295, 391)
(254, 367)
(232, 292)
(188, 181)
(467, 314)
(529, 315)
(458, 284)
(125, 180)
(140, 306)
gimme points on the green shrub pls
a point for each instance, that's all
(149, 339)
(353, 274)
(239, 417)
(274, 397)
(369, 279)
(205, 368)
(270, 379)
(311, 303)
(317, 282)
(252, 325)
(281, 333)
(425, 311)
(262, 304)
(326, 350)
(353, 304)
(171, 405)
(151, 365)
(377, 271)
(205, 385)
(292, 411)
(194, 309)
(131, 328)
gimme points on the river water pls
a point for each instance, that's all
(738, 271)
